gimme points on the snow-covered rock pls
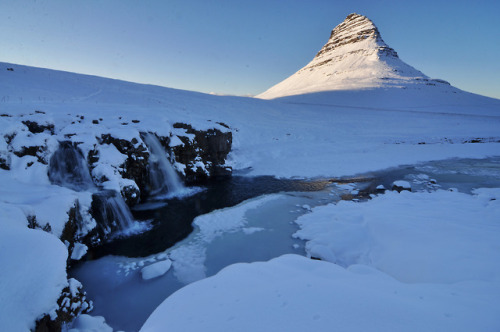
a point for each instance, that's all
(401, 185)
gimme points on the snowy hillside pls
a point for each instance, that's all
(356, 108)
(355, 57)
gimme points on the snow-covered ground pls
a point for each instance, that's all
(327, 134)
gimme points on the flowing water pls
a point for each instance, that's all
(163, 179)
(68, 168)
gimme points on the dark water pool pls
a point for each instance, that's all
(172, 222)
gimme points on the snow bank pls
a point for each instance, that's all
(438, 237)
(87, 323)
(293, 293)
(33, 275)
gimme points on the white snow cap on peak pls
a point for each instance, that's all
(355, 57)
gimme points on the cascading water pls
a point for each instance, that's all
(68, 168)
(111, 212)
(162, 176)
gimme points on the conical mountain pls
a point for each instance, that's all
(355, 57)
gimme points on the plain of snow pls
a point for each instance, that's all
(322, 134)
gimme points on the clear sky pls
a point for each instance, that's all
(244, 47)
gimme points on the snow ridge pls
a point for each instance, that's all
(355, 57)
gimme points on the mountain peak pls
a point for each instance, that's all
(354, 57)
(354, 29)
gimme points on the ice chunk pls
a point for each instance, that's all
(156, 270)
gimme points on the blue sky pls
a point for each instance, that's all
(243, 47)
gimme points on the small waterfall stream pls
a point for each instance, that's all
(68, 168)
(111, 211)
(162, 176)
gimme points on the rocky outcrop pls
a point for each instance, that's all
(71, 303)
(4, 161)
(36, 128)
(204, 154)
(355, 29)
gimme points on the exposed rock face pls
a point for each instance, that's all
(135, 166)
(355, 57)
(204, 155)
(355, 28)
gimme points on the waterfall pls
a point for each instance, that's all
(163, 179)
(68, 168)
(111, 211)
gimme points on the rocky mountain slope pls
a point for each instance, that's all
(355, 57)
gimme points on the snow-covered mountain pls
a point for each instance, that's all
(355, 57)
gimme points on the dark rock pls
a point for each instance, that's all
(209, 147)
(135, 167)
(37, 128)
(400, 186)
(95, 121)
(71, 228)
(70, 306)
(131, 195)
(33, 224)
(5, 162)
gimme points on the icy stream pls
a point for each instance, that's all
(257, 229)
